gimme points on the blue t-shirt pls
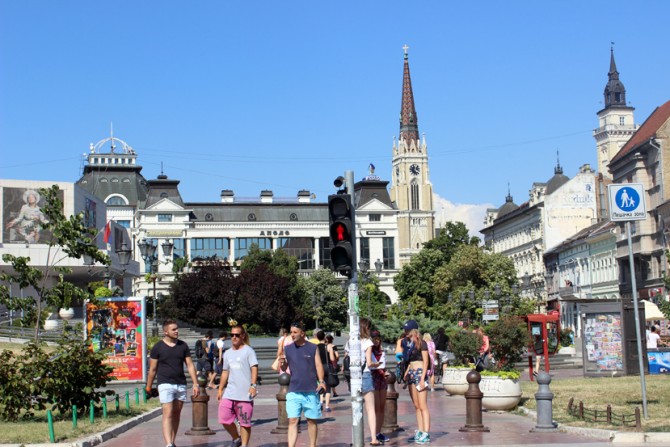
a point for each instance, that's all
(303, 369)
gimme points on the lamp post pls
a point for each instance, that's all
(364, 267)
(148, 252)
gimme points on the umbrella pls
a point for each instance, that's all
(652, 312)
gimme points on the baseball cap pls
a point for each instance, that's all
(411, 324)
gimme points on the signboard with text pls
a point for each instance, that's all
(627, 202)
(118, 327)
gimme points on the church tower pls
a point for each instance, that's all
(615, 122)
(411, 189)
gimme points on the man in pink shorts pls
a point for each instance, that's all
(239, 376)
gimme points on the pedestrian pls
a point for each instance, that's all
(283, 340)
(220, 349)
(367, 388)
(333, 358)
(202, 365)
(239, 378)
(168, 357)
(211, 349)
(482, 360)
(431, 355)
(653, 338)
(415, 354)
(322, 349)
(379, 375)
(307, 379)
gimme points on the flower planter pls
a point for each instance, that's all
(454, 380)
(66, 313)
(567, 350)
(50, 325)
(500, 394)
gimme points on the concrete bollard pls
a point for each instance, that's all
(544, 399)
(200, 415)
(391, 405)
(282, 418)
(473, 404)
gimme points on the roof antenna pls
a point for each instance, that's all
(162, 168)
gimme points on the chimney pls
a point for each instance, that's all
(266, 196)
(304, 196)
(227, 196)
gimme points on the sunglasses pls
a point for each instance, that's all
(235, 335)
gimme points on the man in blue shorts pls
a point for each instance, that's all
(167, 366)
(307, 383)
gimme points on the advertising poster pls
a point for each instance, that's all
(118, 328)
(659, 361)
(22, 217)
(602, 342)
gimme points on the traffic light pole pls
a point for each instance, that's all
(358, 432)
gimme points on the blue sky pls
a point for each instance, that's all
(288, 95)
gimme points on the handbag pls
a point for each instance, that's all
(332, 379)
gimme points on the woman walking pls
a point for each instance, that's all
(431, 354)
(415, 353)
(367, 389)
(333, 358)
(379, 375)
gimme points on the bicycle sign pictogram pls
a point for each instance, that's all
(627, 202)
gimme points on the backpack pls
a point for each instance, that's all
(346, 363)
(199, 350)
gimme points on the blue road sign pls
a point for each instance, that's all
(627, 201)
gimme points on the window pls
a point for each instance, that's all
(622, 120)
(242, 245)
(124, 223)
(179, 248)
(116, 200)
(414, 196)
(204, 248)
(375, 217)
(300, 247)
(389, 252)
(324, 252)
(165, 217)
(365, 248)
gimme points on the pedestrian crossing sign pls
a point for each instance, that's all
(627, 202)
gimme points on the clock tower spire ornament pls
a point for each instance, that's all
(411, 189)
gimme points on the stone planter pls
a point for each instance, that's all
(454, 382)
(66, 313)
(567, 350)
(50, 325)
(500, 394)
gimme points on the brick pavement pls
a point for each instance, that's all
(335, 430)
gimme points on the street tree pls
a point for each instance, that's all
(324, 299)
(65, 238)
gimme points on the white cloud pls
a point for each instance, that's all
(472, 215)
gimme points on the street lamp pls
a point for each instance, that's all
(364, 267)
(378, 266)
(148, 252)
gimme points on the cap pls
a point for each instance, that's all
(411, 324)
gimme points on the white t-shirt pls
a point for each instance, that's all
(652, 340)
(366, 344)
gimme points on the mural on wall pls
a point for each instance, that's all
(22, 217)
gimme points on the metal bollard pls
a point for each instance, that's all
(200, 411)
(473, 404)
(282, 417)
(391, 406)
(544, 398)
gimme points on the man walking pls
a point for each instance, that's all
(239, 377)
(167, 367)
(306, 381)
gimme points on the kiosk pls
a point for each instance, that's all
(544, 330)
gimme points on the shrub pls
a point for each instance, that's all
(255, 329)
(465, 346)
(566, 337)
(508, 336)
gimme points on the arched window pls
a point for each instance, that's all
(116, 199)
(414, 196)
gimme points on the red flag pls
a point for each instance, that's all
(108, 232)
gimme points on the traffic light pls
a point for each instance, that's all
(341, 228)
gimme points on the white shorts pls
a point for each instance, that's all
(169, 392)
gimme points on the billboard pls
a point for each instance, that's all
(117, 326)
(22, 216)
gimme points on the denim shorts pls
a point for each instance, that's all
(367, 382)
(414, 376)
(297, 403)
(169, 392)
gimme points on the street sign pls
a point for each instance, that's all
(491, 310)
(627, 202)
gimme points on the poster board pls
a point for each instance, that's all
(118, 326)
(603, 346)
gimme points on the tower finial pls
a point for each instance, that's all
(409, 128)
(558, 169)
(111, 136)
(405, 48)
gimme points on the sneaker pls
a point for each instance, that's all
(328, 410)
(382, 437)
(424, 438)
(236, 443)
(416, 436)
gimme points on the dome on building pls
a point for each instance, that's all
(508, 207)
(558, 180)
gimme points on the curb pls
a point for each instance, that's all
(615, 437)
(98, 438)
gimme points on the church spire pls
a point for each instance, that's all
(615, 92)
(409, 127)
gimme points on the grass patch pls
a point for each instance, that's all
(16, 347)
(623, 393)
(36, 430)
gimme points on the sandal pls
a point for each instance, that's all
(376, 443)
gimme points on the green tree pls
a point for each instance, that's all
(67, 238)
(416, 278)
(451, 237)
(324, 299)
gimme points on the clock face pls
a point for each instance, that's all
(414, 169)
